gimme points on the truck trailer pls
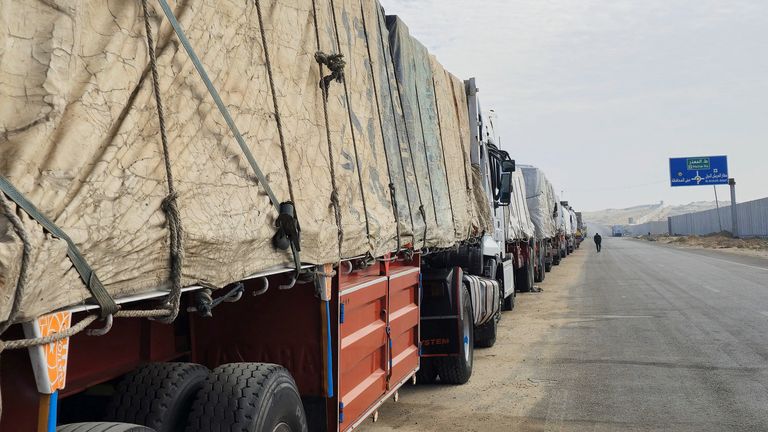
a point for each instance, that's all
(223, 215)
(520, 256)
(544, 210)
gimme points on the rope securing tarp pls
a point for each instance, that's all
(170, 203)
(21, 281)
(334, 198)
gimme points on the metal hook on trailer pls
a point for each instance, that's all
(351, 267)
(264, 286)
(232, 296)
(391, 259)
(290, 284)
(104, 330)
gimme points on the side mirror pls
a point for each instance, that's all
(508, 166)
(505, 189)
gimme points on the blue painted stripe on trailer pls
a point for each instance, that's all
(53, 405)
(330, 348)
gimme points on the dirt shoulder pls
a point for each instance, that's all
(506, 383)
(722, 242)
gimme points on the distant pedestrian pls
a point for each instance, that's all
(598, 241)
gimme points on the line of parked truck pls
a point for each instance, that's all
(368, 231)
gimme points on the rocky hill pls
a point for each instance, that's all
(646, 213)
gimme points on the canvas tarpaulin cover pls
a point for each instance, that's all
(541, 201)
(79, 137)
(573, 221)
(519, 222)
(435, 133)
(565, 220)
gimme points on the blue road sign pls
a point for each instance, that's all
(698, 171)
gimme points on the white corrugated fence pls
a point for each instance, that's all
(752, 218)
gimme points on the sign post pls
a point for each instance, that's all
(734, 219)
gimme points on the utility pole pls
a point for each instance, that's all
(734, 218)
(717, 205)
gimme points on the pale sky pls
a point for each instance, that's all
(600, 93)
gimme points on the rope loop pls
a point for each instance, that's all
(424, 218)
(21, 282)
(169, 204)
(335, 63)
(396, 213)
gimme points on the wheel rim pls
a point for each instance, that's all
(282, 427)
(467, 329)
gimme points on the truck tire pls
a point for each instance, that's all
(485, 335)
(102, 427)
(426, 373)
(539, 273)
(248, 397)
(531, 275)
(522, 281)
(509, 302)
(458, 369)
(157, 395)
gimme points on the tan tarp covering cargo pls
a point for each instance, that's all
(79, 137)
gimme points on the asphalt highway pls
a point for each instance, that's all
(639, 337)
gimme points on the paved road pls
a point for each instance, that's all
(639, 337)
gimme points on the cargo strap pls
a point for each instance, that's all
(100, 295)
(231, 123)
(219, 103)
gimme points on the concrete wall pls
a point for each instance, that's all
(752, 218)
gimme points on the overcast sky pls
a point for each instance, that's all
(600, 93)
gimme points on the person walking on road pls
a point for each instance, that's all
(598, 241)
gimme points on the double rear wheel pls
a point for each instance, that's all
(167, 397)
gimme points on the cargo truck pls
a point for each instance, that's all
(569, 227)
(521, 258)
(544, 209)
(561, 221)
(156, 276)
(527, 249)
(581, 232)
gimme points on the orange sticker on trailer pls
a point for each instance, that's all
(49, 362)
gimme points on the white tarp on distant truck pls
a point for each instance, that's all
(519, 221)
(541, 201)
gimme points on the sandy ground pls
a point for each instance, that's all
(751, 247)
(504, 386)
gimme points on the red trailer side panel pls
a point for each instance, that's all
(379, 336)
(404, 322)
(363, 346)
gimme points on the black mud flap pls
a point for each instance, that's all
(440, 312)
